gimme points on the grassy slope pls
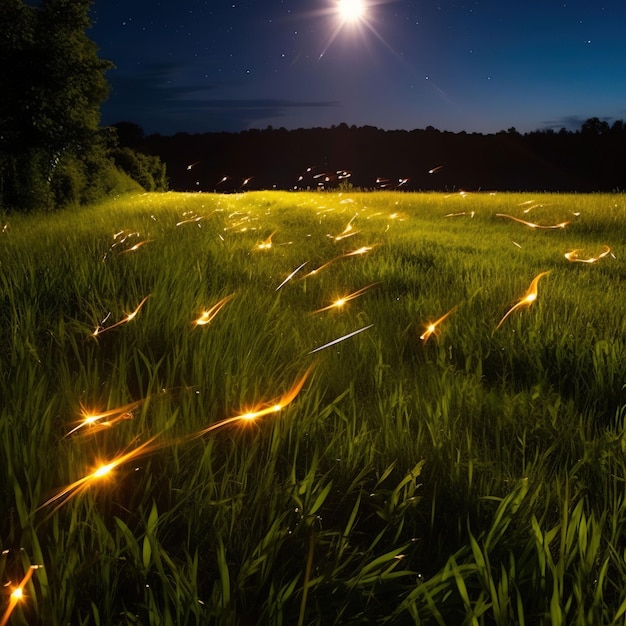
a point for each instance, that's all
(476, 475)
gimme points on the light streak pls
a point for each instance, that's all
(337, 304)
(348, 231)
(574, 258)
(432, 327)
(291, 276)
(528, 299)
(340, 339)
(82, 484)
(196, 218)
(470, 213)
(532, 224)
(192, 165)
(208, 316)
(17, 594)
(129, 317)
(434, 170)
(267, 244)
(136, 246)
(357, 252)
(246, 180)
(95, 421)
(261, 409)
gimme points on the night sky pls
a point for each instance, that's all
(485, 66)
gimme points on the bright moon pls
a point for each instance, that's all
(351, 10)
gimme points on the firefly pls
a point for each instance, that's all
(129, 317)
(337, 304)
(434, 170)
(208, 316)
(262, 409)
(574, 258)
(531, 224)
(267, 244)
(82, 484)
(432, 328)
(95, 421)
(17, 594)
(528, 299)
(136, 246)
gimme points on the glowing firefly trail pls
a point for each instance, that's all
(104, 469)
(340, 339)
(357, 252)
(129, 317)
(17, 594)
(95, 420)
(432, 328)
(528, 299)
(268, 408)
(574, 258)
(291, 276)
(531, 224)
(207, 316)
(341, 301)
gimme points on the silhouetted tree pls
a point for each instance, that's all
(52, 151)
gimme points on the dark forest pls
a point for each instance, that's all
(590, 159)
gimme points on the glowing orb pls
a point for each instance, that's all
(351, 10)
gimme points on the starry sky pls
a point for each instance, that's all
(477, 66)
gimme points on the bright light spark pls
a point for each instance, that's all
(208, 316)
(574, 258)
(351, 10)
(531, 224)
(98, 421)
(434, 170)
(335, 341)
(136, 246)
(267, 244)
(129, 317)
(337, 304)
(470, 213)
(432, 327)
(82, 484)
(268, 408)
(348, 231)
(291, 276)
(357, 252)
(528, 299)
(17, 595)
(196, 218)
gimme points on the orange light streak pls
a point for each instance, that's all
(574, 258)
(434, 170)
(357, 252)
(337, 304)
(208, 316)
(432, 327)
(95, 420)
(268, 408)
(348, 231)
(136, 246)
(197, 218)
(129, 317)
(267, 244)
(82, 484)
(17, 594)
(532, 224)
(528, 299)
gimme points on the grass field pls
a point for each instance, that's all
(315, 408)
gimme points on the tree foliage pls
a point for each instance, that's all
(52, 150)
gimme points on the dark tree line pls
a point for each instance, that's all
(590, 159)
(52, 84)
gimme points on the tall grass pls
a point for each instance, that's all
(474, 477)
